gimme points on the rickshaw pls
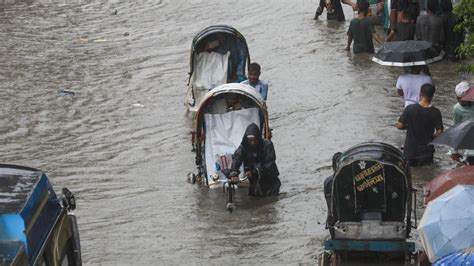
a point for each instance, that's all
(36, 226)
(370, 207)
(218, 130)
(219, 55)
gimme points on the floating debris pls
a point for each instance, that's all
(63, 92)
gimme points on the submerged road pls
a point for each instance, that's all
(122, 143)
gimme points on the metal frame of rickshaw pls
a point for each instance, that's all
(199, 134)
(202, 36)
(356, 245)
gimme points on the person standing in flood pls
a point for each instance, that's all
(453, 38)
(362, 31)
(409, 85)
(402, 13)
(423, 123)
(258, 157)
(430, 27)
(463, 110)
(254, 80)
(333, 9)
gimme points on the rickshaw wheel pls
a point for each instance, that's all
(191, 178)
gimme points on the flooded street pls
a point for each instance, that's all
(122, 142)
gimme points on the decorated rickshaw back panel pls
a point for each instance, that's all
(370, 186)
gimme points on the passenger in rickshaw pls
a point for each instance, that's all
(258, 157)
(229, 102)
(220, 43)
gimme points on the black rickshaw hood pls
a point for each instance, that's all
(372, 177)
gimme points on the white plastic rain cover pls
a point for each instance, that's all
(210, 70)
(224, 134)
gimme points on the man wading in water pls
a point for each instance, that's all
(423, 123)
(258, 157)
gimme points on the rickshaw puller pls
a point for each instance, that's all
(258, 157)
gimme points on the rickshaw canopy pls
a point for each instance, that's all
(218, 128)
(203, 34)
(372, 177)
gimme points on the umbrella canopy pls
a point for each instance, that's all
(447, 224)
(407, 53)
(460, 176)
(465, 257)
(459, 136)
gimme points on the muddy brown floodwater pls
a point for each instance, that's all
(122, 143)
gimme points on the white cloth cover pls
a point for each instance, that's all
(224, 134)
(210, 70)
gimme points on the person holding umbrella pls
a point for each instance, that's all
(409, 85)
(423, 123)
(463, 110)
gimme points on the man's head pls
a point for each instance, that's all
(363, 7)
(253, 73)
(446, 5)
(461, 90)
(427, 92)
(432, 6)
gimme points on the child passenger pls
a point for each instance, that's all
(253, 80)
(362, 30)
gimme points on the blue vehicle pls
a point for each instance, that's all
(370, 208)
(36, 226)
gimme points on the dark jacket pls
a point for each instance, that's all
(259, 160)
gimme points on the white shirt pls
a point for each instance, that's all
(411, 86)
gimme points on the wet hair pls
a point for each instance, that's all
(446, 6)
(335, 158)
(363, 6)
(428, 91)
(254, 67)
(432, 6)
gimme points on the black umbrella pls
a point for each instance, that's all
(459, 136)
(407, 53)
